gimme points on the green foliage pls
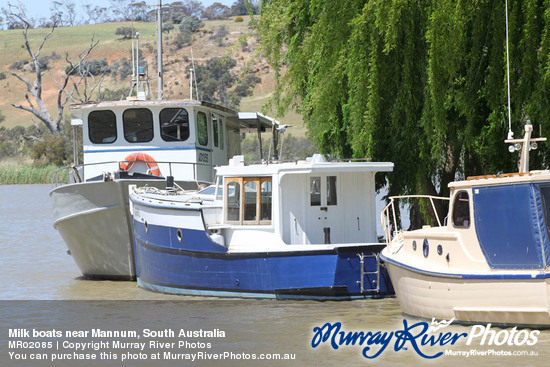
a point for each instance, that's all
(183, 39)
(418, 83)
(125, 32)
(215, 78)
(190, 24)
(50, 150)
(216, 11)
(167, 27)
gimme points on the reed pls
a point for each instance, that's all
(12, 173)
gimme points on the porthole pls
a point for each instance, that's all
(146, 227)
(439, 250)
(179, 235)
(426, 248)
(414, 245)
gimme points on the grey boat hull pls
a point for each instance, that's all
(94, 220)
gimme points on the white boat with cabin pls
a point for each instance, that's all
(303, 229)
(490, 261)
(137, 142)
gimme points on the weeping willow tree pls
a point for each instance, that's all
(418, 83)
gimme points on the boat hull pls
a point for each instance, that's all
(94, 220)
(186, 269)
(504, 299)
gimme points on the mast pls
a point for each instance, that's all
(159, 52)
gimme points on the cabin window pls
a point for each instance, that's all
(315, 191)
(332, 198)
(138, 125)
(219, 188)
(102, 127)
(461, 210)
(215, 132)
(174, 124)
(202, 128)
(233, 194)
(265, 201)
(248, 200)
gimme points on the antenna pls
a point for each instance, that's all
(194, 74)
(510, 132)
(159, 52)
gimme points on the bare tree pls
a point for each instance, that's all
(35, 103)
(96, 14)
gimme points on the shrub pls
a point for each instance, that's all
(239, 19)
(125, 32)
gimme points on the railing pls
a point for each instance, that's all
(72, 173)
(385, 215)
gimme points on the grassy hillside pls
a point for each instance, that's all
(73, 40)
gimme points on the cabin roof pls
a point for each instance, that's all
(246, 120)
(502, 179)
(301, 167)
(151, 103)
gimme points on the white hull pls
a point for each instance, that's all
(493, 300)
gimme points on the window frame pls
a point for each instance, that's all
(124, 125)
(319, 192)
(163, 136)
(90, 127)
(242, 181)
(456, 200)
(198, 140)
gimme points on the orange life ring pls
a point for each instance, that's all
(140, 157)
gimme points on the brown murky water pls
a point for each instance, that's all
(41, 289)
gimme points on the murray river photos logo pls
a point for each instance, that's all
(423, 338)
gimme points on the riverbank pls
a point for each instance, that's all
(14, 172)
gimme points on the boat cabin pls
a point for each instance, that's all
(299, 203)
(185, 139)
(509, 215)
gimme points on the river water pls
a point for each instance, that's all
(41, 291)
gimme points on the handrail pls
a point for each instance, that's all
(385, 217)
(56, 180)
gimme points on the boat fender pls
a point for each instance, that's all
(218, 238)
(141, 157)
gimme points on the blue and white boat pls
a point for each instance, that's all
(305, 229)
(490, 262)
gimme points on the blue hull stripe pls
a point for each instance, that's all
(465, 276)
(144, 149)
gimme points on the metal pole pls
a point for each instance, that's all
(510, 133)
(159, 52)
(137, 63)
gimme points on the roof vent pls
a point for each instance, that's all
(316, 158)
(236, 161)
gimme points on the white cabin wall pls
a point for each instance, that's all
(292, 215)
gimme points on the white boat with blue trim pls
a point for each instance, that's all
(137, 142)
(301, 229)
(490, 262)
